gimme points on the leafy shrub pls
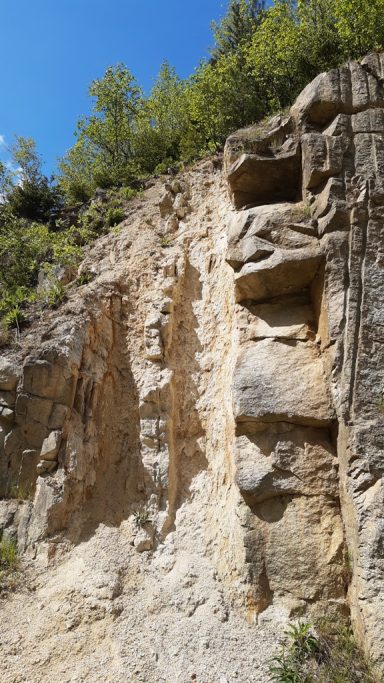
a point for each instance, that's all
(33, 200)
(9, 565)
(114, 216)
(55, 295)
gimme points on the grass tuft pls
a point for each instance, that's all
(325, 653)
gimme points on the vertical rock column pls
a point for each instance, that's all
(286, 464)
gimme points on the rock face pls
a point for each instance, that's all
(200, 428)
(322, 367)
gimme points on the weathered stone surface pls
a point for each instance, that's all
(298, 394)
(286, 225)
(284, 272)
(9, 374)
(51, 445)
(278, 177)
(340, 122)
(258, 139)
(49, 377)
(345, 90)
(316, 538)
(166, 205)
(322, 157)
(291, 318)
(285, 460)
(46, 466)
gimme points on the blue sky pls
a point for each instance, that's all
(51, 50)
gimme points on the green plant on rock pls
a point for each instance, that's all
(166, 240)
(9, 564)
(55, 295)
(141, 517)
(84, 278)
(8, 554)
(326, 653)
(114, 216)
(11, 307)
(20, 491)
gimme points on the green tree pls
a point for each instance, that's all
(360, 25)
(104, 151)
(273, 54)
(221, 97)
(29, 194)
(319, 45)
(77, 171)
(6, 184)
(237, 26)
(161, 121)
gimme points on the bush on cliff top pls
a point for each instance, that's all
(261, 59)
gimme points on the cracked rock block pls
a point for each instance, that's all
(51, 445)
(286, 459)
(322, 157)
(284, 272)
(310, 569)
(50, 377)
(291, 318)
(9, 375)
(275, 381)
(166, 205)
(340, 91)
(255, 179)
(153, 338)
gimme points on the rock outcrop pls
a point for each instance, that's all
(199, 430)
(318, 362)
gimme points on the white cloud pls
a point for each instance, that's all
(2, 140)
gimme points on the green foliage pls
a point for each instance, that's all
(84, 278)
(160, 123)
(102, 155)
(272, 55)
(9, 564)
(327, 653)
(360, 25)
(297, 40)
(27, 191)
(24, 250)
(55, 295)
(221, 97)
(261, 59)
(237, 26)
(8, 554)
(114, 216)
(77, 178)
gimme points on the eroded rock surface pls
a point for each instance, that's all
(324, 362)
(199, 430)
